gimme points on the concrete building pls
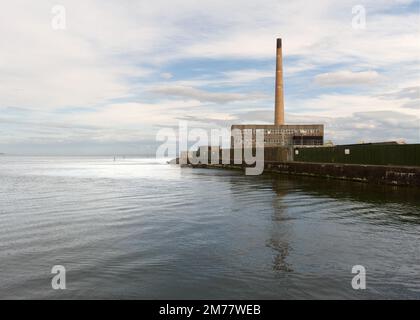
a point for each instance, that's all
(279, 134)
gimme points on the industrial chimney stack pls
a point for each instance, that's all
(279, 134)
(279, 100)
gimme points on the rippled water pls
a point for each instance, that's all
(139, 228)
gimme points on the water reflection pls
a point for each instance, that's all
(367, 199)
(279, 234)
(281, 247)
(136, 229)
(378, 226)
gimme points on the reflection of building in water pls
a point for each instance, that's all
(282, 251)
(279, 134)
(280, 236)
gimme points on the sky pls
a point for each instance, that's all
(120, 71)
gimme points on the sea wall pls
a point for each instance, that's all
(383, 163)
(390, 175)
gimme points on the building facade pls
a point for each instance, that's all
(278, 135)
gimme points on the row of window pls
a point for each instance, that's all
(295, 141)
(292, 131)
(282, 141)
(287, 131)
(310, 142)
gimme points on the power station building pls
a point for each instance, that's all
(279, 134)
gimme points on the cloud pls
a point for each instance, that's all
(246, 76)
(345, 104)
(368, 126)
(415, 104)
(232, 78)
(409, 97)
(346, 78)
(166, 75)
(120, 70)
(202, 95)
(408, 92)
(374, 127)
(44, 68)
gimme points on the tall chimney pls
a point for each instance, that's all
(279, 102)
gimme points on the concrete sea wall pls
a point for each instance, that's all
(389, 175)
(380, 163)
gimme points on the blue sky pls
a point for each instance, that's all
(121, 70)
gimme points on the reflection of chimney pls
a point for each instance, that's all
(279, 102)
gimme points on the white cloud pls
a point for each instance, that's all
(111, 54)
(414, 104)
(347, 104)
(407, 92)
(166, 75)
(346, 78)
(202, 95)
(246, 76)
